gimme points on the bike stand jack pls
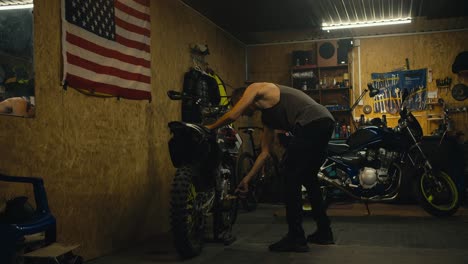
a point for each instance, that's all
(367, 208)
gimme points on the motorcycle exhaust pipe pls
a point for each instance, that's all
(333, 183)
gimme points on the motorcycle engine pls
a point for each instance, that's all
(368, 177)
(226, 200)
(377, 163)
(224, 185)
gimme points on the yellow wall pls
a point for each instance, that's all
(378, 54)
(105, 162)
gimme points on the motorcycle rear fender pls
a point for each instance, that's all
(189, 144)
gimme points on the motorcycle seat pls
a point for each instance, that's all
(337, 148)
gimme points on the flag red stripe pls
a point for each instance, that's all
(143, 2)
(131, 11)
(85, 84)
(132, 44)
(132, 28)
(89, 65)
(85, 44)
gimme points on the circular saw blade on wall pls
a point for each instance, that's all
(367, 109)
(459, 92)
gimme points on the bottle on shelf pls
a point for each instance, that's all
(346, 79)
(344, 131)
(304, 86)
(337, 130)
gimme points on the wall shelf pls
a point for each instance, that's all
(304, 67)
(328, 85)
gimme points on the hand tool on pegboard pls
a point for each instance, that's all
(376, 105)
(382, 100)
(392, 109)
(444, 84)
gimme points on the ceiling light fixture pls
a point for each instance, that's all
(360, 24)
(12, 7)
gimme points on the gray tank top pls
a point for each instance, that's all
(294, 107)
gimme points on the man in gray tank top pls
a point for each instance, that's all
(286, 108)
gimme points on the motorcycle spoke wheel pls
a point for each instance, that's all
(250, 203)
(194, 217)
(187, 219)
(244, 164)
(438, 193)
(270, 169)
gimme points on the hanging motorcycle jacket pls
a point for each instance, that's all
(199, 85)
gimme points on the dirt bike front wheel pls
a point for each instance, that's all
(187, 218)
(437, 193)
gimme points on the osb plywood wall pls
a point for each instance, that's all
(105, 162)
(435, 51)
(378, 54)
(272, 63)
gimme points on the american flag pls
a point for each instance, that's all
(106, 47)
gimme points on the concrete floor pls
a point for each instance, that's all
(391, 234)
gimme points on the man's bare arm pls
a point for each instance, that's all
(232, 115)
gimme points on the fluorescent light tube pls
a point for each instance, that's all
(362, 24)
(12, 7)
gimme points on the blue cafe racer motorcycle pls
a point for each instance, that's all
(371, 164)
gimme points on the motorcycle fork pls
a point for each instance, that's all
(427, 164)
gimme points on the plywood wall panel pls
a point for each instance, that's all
(378, 54)
(436, 51)
(105, 161)
(272, 63)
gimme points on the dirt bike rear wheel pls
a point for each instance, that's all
(187, 219)
(437, 193)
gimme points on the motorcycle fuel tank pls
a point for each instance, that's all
(366, 136)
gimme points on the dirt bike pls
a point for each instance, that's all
(371, 164)
(204, 181)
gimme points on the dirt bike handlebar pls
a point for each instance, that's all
(208, 109)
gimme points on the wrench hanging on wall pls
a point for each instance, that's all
(382, 100)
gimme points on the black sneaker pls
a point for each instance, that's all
(321, 237)
(290, 244)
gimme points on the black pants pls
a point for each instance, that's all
(302, 160)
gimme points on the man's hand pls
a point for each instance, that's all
(243, 188)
